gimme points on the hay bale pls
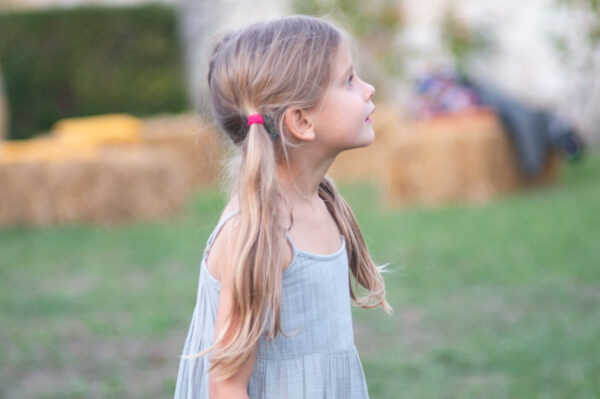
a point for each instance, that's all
(466, 157)
(44, 149)
(97, 130)
(105, 169)
(197, 142)
(119, 184)
(74, 139)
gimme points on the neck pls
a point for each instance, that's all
(301, 179)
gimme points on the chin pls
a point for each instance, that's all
(368, 139)
(360, 142)
(360, 145)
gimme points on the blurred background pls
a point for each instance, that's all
(480, 190)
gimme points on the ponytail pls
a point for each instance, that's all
(258, 254)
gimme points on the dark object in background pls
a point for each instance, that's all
(563, 137)
(90, 60)
(533, 132)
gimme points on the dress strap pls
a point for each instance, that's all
(215, 232)
(301, 252)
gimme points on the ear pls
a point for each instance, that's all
(298, 124)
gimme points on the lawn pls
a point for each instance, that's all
(493, 301)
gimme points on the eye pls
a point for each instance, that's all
(349, 80)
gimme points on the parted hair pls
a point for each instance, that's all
(267, 68)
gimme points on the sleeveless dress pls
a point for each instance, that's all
(318, 360)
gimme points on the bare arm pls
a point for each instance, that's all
(219, 265)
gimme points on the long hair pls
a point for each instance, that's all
(267, 68)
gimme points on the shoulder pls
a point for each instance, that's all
(231, 206)
(220, 261)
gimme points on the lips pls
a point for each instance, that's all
(368, 118)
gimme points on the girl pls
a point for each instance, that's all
(274, 295)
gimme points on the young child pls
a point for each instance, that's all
(273, 313)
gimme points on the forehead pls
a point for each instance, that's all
(343, 59)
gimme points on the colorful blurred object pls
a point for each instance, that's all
(441, 93)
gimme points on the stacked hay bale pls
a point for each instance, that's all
(89, 170)
(44, 148)
(113, 186)
(196, 141)
(467, 157)
(92, 131)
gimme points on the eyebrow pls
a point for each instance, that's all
(348, 71)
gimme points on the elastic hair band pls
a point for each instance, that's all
(255, 118)
(267, 122)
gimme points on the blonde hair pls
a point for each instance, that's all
(267, 68)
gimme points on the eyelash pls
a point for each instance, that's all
(349, 80)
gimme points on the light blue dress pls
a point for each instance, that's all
(319, 359)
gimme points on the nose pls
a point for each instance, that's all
(370, 91)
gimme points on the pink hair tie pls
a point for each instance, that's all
(255, 118)
(267, 122)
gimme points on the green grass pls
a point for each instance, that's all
(494, 301)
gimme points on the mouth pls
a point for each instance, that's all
(368, 118)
